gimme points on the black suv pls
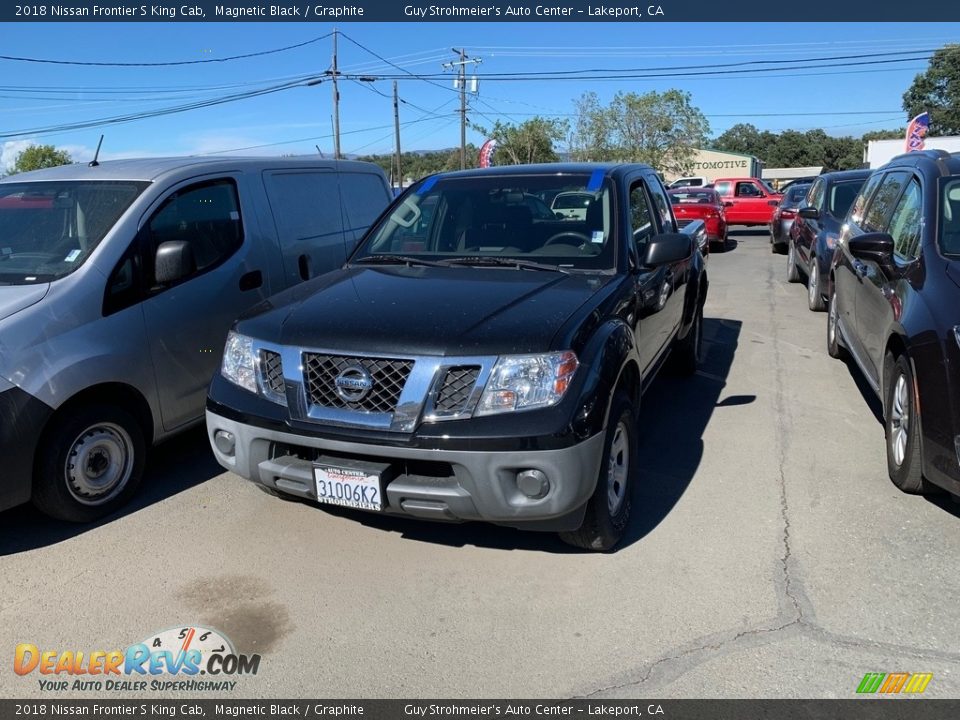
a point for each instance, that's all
(895, 305)
(472, 361)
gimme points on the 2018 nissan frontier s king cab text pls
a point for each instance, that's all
(477, 357)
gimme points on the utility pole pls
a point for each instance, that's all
(336, 102)
(396, 130)
(461, 66)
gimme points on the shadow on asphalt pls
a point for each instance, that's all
(673, 415)
(869, 396)
(172, 467)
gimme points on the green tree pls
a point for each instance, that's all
(937, 91)
(660, 129)
(36, 157)
(532, 141)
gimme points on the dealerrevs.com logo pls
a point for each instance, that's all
(185, 658)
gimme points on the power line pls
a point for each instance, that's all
(48, 130)
(165, 64)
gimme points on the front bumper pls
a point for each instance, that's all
(22, 418)
(452, 485)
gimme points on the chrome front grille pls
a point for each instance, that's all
(388, 378)
(271, 368)
(456, 388)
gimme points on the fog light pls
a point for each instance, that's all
(224, 442)
(533, 483)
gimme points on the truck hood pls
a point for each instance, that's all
(426, 311)
(14, 298)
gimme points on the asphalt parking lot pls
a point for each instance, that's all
(769, 555)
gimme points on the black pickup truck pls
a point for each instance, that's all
(478, 357)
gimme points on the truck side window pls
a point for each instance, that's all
(207, 216)
(641, 218)
(364, 197)
(748, 189)
(663, 205)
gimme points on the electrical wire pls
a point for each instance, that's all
(205, 61)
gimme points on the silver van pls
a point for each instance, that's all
(118, 284)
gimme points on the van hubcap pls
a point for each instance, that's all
(99, 464)
(900, 420)
(617, 469)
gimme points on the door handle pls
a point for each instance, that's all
(251, 281)
(303, 263)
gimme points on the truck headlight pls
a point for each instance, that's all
(238, 362)
(526, 382)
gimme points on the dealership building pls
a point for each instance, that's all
(713, 164)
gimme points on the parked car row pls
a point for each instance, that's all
(880, 250)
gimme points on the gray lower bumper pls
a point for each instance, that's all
(477, 485)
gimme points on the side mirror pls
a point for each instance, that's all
(809, 212)
(728, 203)
(668, 248)
(174, 261)
(873, 247)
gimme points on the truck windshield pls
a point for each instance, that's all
(48, 229)
(950, 218)
(455, 220)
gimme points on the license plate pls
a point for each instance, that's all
(349, 487)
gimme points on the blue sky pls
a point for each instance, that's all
(846, 100)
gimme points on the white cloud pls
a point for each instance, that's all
(9, 151)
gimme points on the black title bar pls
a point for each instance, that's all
(620, 11)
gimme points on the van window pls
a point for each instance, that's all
(364, 197)
(206, 215)
(880, 208)
(49, 229)
(905, 223)
(306, 205)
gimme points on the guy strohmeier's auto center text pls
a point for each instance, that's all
(522, 10)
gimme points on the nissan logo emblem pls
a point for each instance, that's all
(353, 383)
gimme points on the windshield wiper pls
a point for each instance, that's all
(492, 260)
(396, 260)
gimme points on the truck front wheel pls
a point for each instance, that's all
(608, 510)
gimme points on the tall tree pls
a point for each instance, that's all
(937, 90)
(36, 157)
(532, 141)
(660, 129)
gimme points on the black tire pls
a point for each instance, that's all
(81, 449)
(793, 272)
(777, 248)
(608, 511)
(687, 352)
(834, 348)
(814, 296)
(904, 460)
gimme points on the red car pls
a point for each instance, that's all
(697, 203)
(748, 201)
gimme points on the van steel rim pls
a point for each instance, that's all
(99, 464)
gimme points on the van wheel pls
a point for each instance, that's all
(902, 428)
(608, 509)
(89, 463)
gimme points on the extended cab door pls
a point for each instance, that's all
(659, 290)
(187, 321)
(751, 203)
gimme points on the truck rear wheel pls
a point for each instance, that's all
(608, 510)
(89, 463)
